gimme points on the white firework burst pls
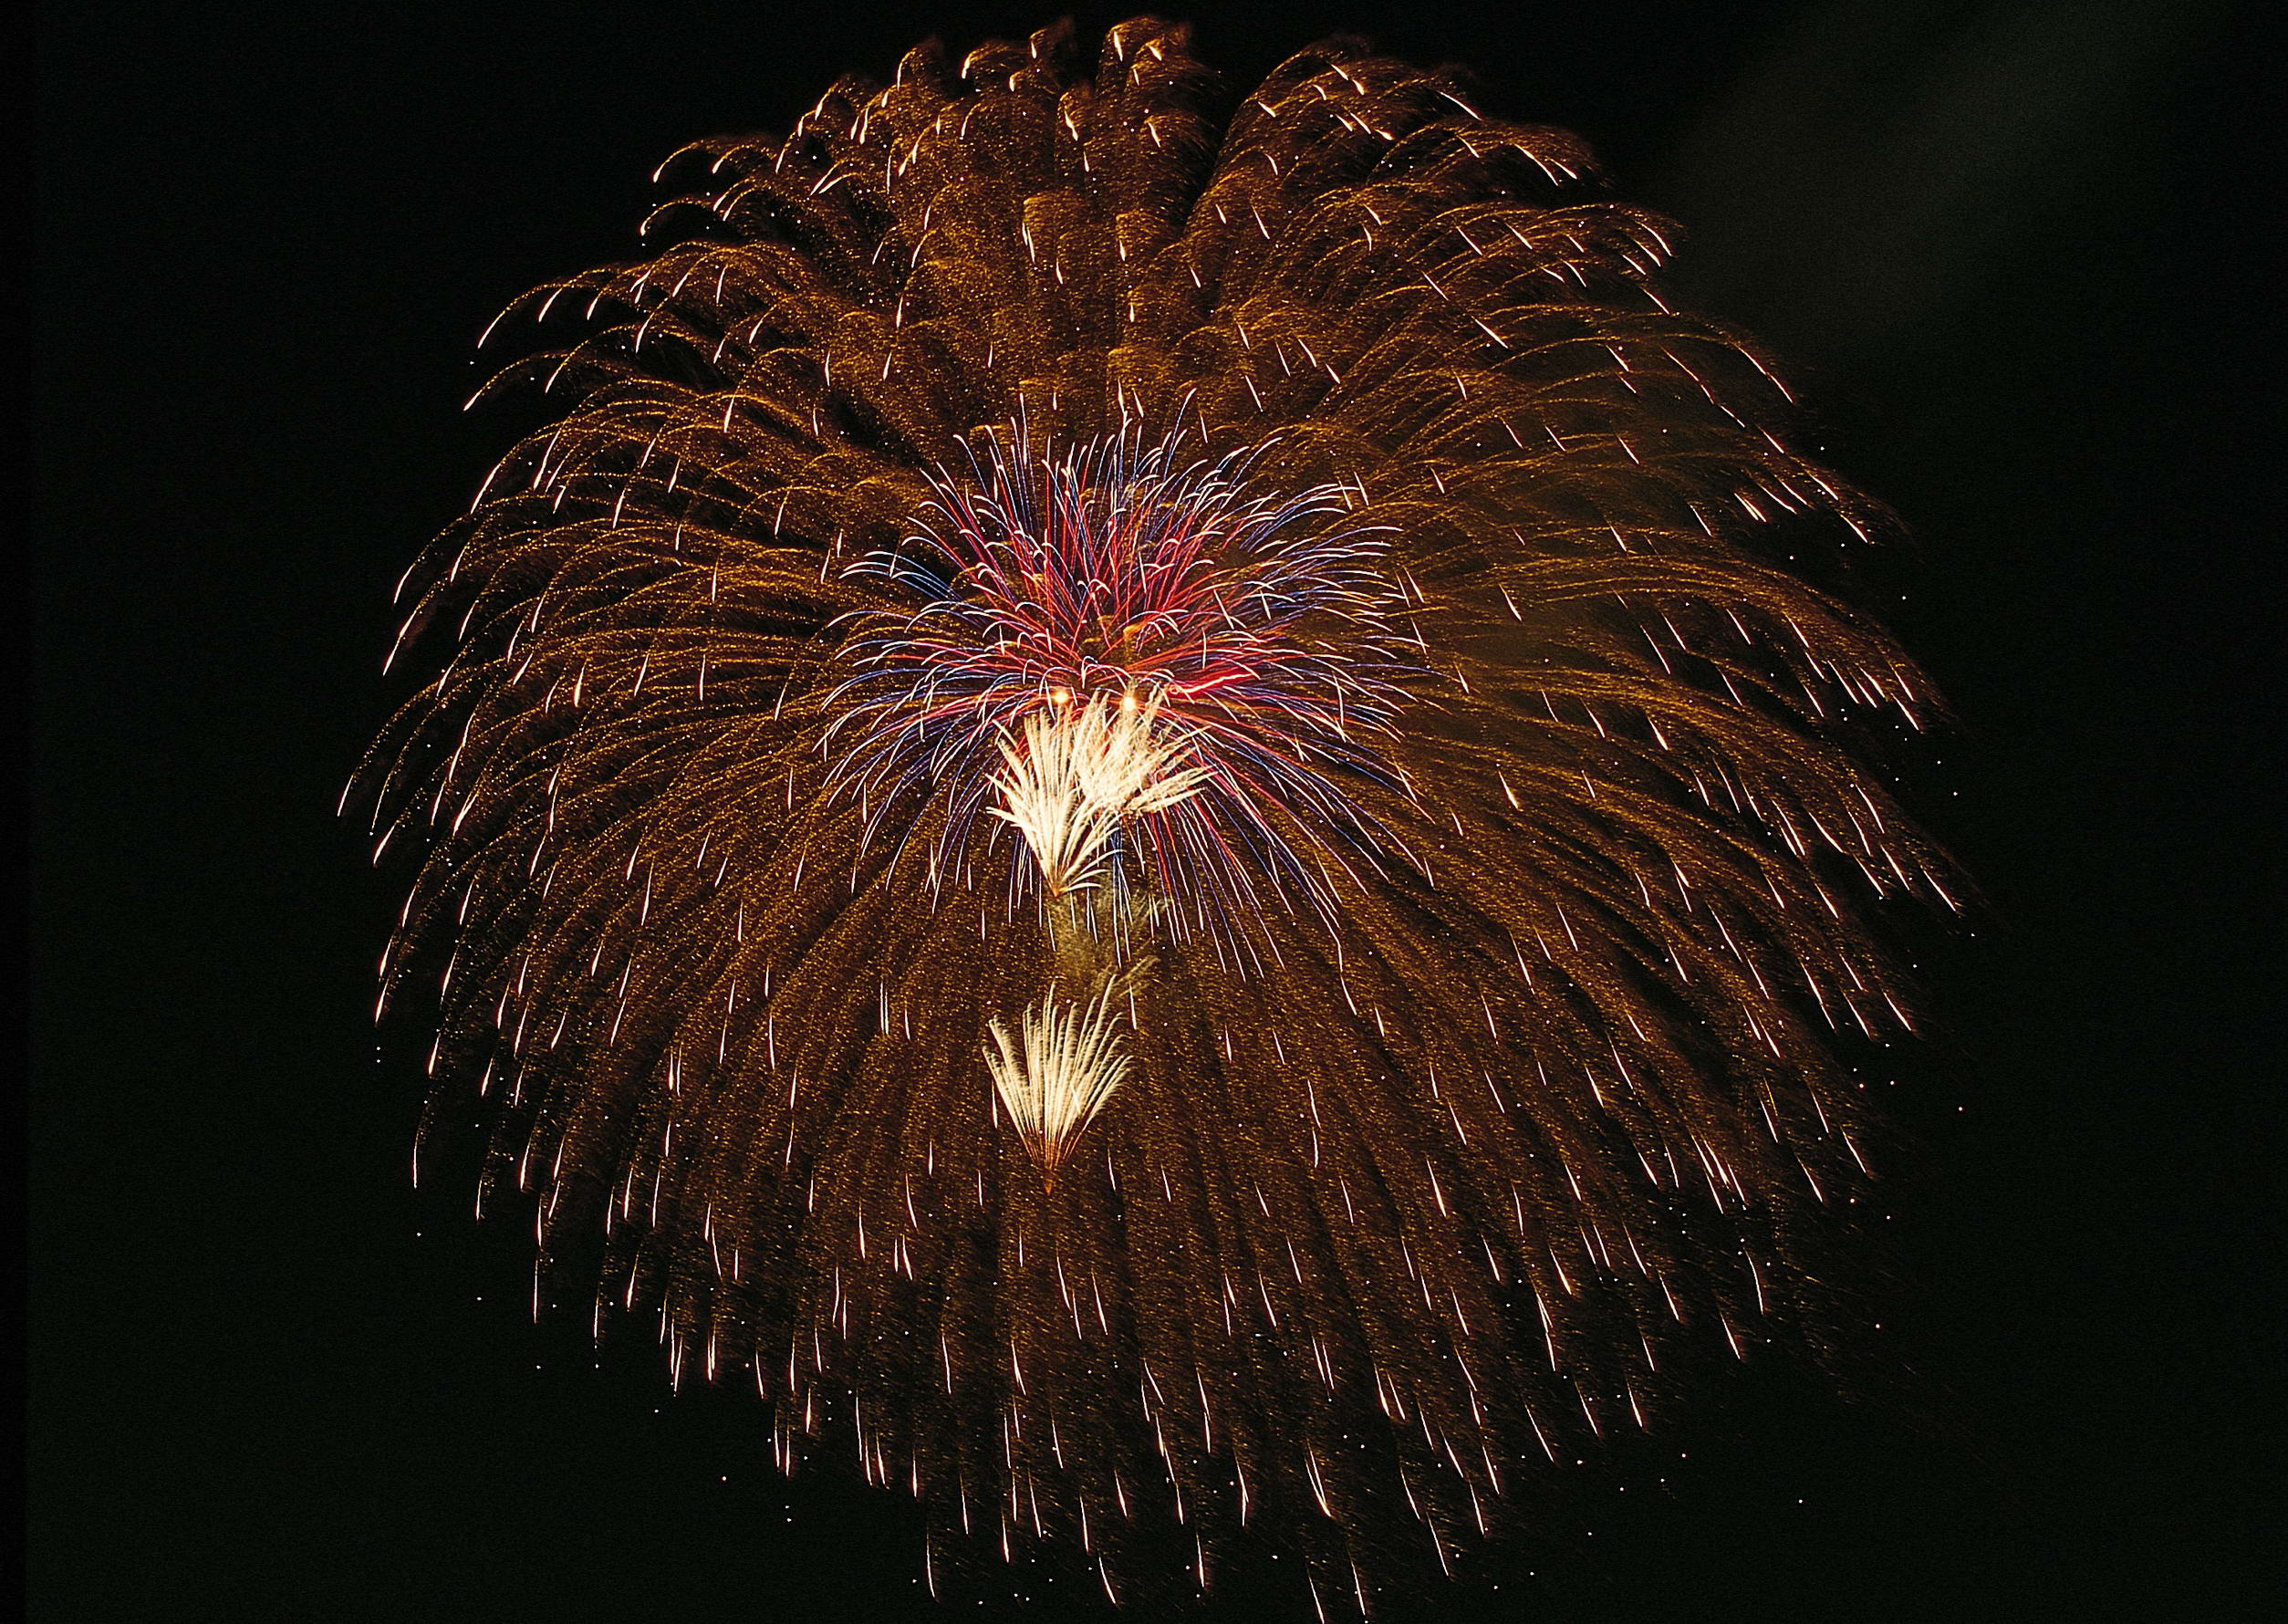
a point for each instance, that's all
(1054, 1072)
(1074, 774)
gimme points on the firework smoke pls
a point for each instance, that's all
(1143, 808)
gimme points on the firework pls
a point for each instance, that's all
(1056, 1076)
(1142, 805)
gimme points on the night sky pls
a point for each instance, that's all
(2016, 253)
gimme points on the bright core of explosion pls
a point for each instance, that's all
(1076, 773)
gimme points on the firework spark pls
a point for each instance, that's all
(1255, 626)
(1146, 809)
(1075, 777)
(1057, 1072)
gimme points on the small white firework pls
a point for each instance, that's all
(1076, 773)
(1056, 1070)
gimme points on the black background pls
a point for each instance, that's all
(2019, 253)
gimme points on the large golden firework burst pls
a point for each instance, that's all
(1138, 799)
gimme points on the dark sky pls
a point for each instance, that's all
(2017, 252)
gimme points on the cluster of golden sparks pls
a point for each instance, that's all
(1139, 801)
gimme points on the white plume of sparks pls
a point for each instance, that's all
(1076, 775)
(1056, 1070)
